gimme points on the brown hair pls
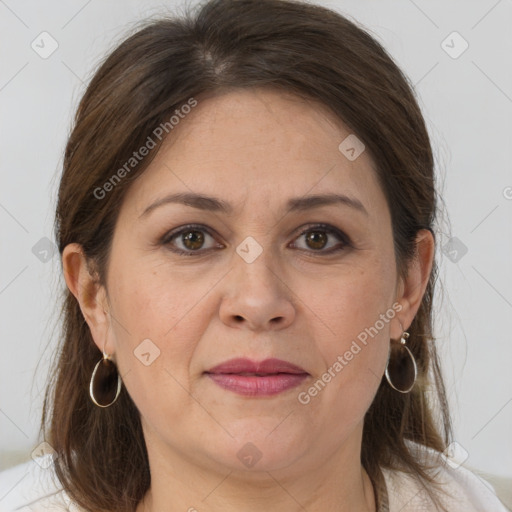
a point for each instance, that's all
(295, 47)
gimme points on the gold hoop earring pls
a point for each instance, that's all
(401, 370)
(105, 384)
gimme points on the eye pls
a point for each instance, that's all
(317, 237)
(189, 240)
(193, 240)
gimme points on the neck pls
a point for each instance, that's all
(336, 483)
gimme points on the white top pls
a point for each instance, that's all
(33, 487)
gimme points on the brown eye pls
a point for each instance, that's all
(316, 239)
(192, 239)
(322, 238)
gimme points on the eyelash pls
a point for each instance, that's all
(344, 239)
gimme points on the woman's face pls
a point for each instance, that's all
(258, 279)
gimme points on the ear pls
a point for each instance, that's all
(83, 282)
(412, 288)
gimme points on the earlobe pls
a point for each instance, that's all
(84, 285)
(412, 287)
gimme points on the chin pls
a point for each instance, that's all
(264, 445)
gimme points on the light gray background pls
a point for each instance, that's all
(467, 102)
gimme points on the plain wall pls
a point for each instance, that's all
(467, 103)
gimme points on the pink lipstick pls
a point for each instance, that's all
(251, 378)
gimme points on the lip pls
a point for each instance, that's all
(253, 378)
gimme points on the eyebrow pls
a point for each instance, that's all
(208, 203)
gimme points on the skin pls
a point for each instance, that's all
(254, 149)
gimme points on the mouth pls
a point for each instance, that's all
(251, 378)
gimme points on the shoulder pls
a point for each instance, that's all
(33, 487)
(460, 489)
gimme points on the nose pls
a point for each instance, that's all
(257, 296)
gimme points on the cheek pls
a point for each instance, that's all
(154, 303)
(157, 323)
(358, 311)
(353, 303)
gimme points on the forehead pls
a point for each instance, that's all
(257, 148)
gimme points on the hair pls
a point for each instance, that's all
(289, 46)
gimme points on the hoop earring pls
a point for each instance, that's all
(103, 388)
(401, 370)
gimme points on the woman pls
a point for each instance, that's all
(246, 224)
